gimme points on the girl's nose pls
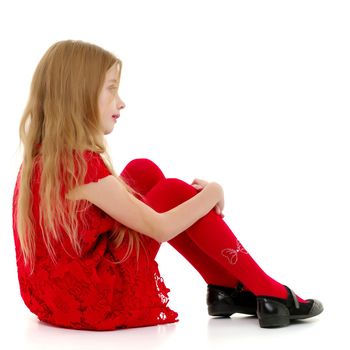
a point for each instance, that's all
(121, 104)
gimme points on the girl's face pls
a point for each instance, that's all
(109, 102)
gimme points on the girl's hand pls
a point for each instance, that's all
(199, 184)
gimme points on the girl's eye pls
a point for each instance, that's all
(113, 89)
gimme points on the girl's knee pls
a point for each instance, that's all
(141, 162)
(142, 166)
(142, 174)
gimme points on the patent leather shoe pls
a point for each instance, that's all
(225, 301)
(278, 312)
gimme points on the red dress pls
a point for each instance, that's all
(90, 292)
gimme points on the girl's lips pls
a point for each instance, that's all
(115, 116)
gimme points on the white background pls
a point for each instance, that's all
(251, 94)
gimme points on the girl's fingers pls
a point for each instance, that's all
(217, 210)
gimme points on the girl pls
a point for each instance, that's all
(86, 239)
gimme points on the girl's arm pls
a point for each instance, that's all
(178, 219)
(110, 196)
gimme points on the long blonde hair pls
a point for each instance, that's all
(62, 116)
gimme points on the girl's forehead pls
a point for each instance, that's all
(112, 73)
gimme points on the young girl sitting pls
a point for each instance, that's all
(86, 239)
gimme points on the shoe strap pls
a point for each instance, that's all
(292, 295)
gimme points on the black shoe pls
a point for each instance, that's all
(225, 301)
(277, 312)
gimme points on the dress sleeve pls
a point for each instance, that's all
(96, 168)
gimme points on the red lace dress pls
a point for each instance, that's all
(90, 292)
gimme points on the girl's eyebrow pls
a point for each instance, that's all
(113, 80)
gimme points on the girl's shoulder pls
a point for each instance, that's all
(96, 166)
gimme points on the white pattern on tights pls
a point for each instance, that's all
(232, 254)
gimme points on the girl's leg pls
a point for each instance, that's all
(213, 236)
(210, 270)
(142, 174)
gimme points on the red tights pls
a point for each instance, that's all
(209, 244)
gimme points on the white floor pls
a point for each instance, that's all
(21, 330)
